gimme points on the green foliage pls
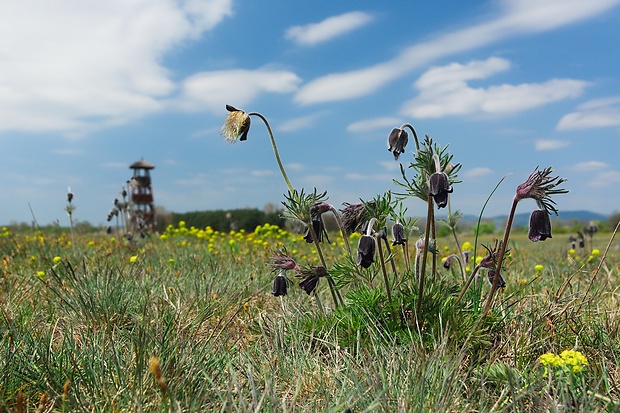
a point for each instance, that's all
(226, 220)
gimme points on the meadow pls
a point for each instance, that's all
(378, 315)
(186, 321)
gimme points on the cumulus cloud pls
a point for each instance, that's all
(301, 122)
(444, 91)
(590, 166)
(67, 65)
(311, 34)
(596, 113)
(550, 144)
(213, 90)
(516, 17)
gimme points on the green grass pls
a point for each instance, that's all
(81, 336)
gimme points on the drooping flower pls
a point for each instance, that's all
(397, 140)
(280, 285)
(398, 234)
(439, 188)
(354, 217)
(319, 231)
(236, 126)
(491, 277)
(311, 277)
(366, 251)
(280, 261)
(540, 226)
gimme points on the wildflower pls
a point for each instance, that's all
(572, 251)
(540, 186)
(540, 226)
(56, 259)
(280, 285)
(550, 359)
(280, 261)
(40, 274)
(155, 367)
(133, 258)
(354, 217)
(236, 126)
(447, 261)
(467, 246)
(397, 140)
(366, 251)
(311, 277)
(500, 280)
(538, 268)
(69, 195)
(595, 252)
(439, 188)
(319, 231)
(398, 234)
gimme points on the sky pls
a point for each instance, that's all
(89, 87)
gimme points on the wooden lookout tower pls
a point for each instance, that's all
(143, 211)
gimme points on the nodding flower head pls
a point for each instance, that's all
(397, 140)
(69, 195)
(280, 285)
(439, 188)
(366, 251)
(500, 280)
(311, 277)
(540, 226)
(540, 186)
(490, 260)
(398, 234)
(236, 126)
(319, 231)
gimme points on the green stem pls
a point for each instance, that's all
(384, 271)
(275, 149)
(429, 215)
(500, 258)
(319, 251)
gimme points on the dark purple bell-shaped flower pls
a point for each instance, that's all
(439, 188)
(540, 226)
(398, 234)
(280, 285)
(366, 251)
(491, 277)
(397, 140)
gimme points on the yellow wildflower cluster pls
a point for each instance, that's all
(571, 360)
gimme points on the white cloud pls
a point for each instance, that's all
(477, 172)
(606, 178)
(311, 34)
(516, 17)
(67, 65)
(444, 91)
(590, 166)
(550, 144)
(387, 123)
(596, 113)
(301, 122)
(213, 90)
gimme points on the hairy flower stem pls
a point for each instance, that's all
(466, 285)
(406, 255)
(275, 149)
(384, 271)
(415, 135)
(429, 216)
(500, 258)
(332, 286)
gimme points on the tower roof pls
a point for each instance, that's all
(142, 164)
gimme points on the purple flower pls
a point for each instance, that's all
(366, 251)
(439, 188)
(397, 140)
(540, 226)
(398, 234)
(280, 285)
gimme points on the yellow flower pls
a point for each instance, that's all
(467, 246)
(56, 259)
(572, 251)
(595, 252)
(539, 268)
(41, 274)
(551, 359)
(133, 258)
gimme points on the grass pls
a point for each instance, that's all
(81, 332)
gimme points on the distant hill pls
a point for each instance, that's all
(523, 219)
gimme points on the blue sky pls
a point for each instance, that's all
(89, 87)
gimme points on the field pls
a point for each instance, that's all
(186, 321)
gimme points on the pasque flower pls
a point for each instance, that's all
(439, 188)
(540, 226)
(398, 234)
(237, 125)
(311, 277)
(280, 285)
(354, 217)
(397, 140)
(540, 186)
